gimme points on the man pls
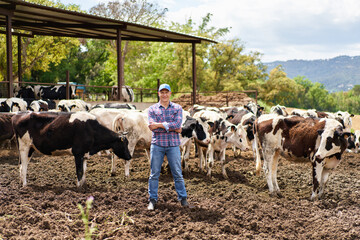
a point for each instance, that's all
(165, 119)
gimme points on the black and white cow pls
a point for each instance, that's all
(279, 110)
(322, 141)
(79, 132)
(115, 105)
(73, 105)
(42, 105)
(13, 105)
(24, 92)
(54, 92)
(127, 93)
(193, 128)
(254, 108)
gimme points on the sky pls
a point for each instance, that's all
(279, 29)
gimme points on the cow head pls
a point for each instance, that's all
(120, 147)
(237, 136)
(357, 140)
(333, 140)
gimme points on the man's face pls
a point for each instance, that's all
(164, 95)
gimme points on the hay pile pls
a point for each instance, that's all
(218, 100)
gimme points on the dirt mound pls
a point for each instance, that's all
(218, 100)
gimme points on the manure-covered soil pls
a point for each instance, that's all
(235, 208)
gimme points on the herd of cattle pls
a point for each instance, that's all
(83, 130)
(36, 92)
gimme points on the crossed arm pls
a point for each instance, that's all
(174, 126)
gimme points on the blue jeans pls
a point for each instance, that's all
(157, 154)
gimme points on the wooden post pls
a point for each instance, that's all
(141, 95)
(119, 66)
(9, 57)
(67, 84)
(19, 61)
(158, 85)
(194, 72)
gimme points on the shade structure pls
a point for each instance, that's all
(42, 20)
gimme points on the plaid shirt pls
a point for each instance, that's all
(171, 118)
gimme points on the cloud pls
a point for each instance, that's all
(283, 29)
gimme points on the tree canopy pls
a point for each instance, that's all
(225, 66)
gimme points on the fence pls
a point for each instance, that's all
(105, 93)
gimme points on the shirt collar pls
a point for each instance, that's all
(159, 105)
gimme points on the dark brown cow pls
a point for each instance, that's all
(6, 129)
(79, 132)
(320, 140)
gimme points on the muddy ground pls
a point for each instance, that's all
(235, 208)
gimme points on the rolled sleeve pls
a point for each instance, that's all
(176, 124)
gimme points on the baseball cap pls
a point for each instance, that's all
(164, 86)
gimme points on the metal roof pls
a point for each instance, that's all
(50, 21)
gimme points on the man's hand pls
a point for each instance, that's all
(154, 126)
(177, 130)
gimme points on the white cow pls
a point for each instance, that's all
(139, 135)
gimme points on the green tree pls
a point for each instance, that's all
(138, 11)
(279, 89)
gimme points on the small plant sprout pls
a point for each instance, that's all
(85, 218)
(125, 219)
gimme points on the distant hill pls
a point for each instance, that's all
(337, 74)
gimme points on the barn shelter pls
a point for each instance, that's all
(33, 19)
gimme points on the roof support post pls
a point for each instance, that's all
(9, 57)
(67, 86)
(119, 66)
(194, 72)
(19, 61)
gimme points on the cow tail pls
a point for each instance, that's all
(117, 125)
(256, 146)
(128, 90)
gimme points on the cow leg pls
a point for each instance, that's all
(257, 155)
(274, 173)
(329, 166)
(201, 156)
(113, 164)
(24, 160)
(222, 159)
(80, 164)
(147, 152)
(186, 155)
(268, 168)
(210, 161)
(25, 152)
(317, 172)
(127, 168)
(237, 153)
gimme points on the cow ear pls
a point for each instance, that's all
(346, 135)
(211, 124)
(203, 119)
(352, 115)
(320, 131)
(230, 117)
(233, 128)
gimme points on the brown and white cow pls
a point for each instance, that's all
(79, 132)
(320, 140)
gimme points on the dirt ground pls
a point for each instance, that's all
(235, 208)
